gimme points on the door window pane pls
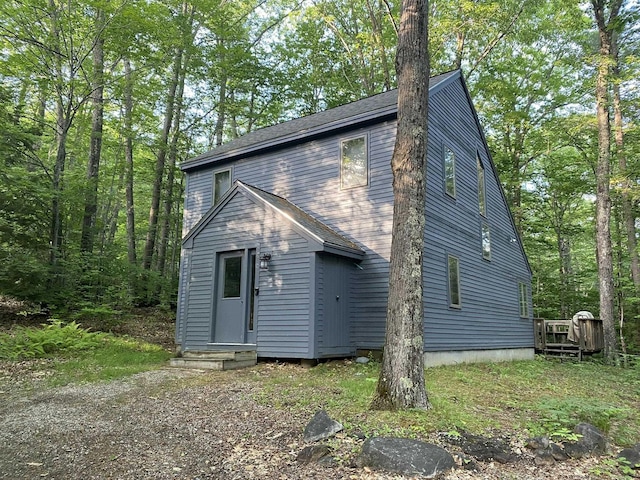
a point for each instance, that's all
(232, 272)
(354, 168)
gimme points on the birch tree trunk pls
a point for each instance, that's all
(401, 383)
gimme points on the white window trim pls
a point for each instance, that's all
(366, 149)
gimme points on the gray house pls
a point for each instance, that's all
(287, 235)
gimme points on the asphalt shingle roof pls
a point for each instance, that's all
(367, 109)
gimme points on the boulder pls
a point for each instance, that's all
(592, 441)
(405, 456)
(631, 455)
(313, 454)
(321, 427)
(485, 449)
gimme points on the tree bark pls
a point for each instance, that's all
(95, 145)
(603, 177)
(128, 156)
(626, 200)
(401, 383)
(161, 157)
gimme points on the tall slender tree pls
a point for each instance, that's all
(606, 15)
(401, 383)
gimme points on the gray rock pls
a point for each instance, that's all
(321, 427)
(486, 449)
(558, 452)
(406, 456)
(314, 454)
(544, 458)
(362, 360)
(631, 455)
(592, 442)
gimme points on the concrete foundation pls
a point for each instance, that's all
(434, 359)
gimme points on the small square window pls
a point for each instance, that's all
(486, 242)
(482, 195)
(524, 300)
(454, 282)
(449, 172)
(221, 184)
(354, 168)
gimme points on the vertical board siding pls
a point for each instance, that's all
(282, 321)
(308, 175)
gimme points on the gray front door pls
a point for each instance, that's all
(231, 295)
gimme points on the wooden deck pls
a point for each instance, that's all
(551, 337)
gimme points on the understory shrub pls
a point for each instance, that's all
(54, 337)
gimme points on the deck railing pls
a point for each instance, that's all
(552, 336)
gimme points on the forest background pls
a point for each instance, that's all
(101, 100)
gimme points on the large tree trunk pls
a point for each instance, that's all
(603, 177)
(128, 157)
(401, 382)
(95, 144)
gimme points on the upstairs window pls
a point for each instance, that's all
(482, 195)
(221, 184)
(486, 242)
(454, 282)
(524, 300)
(449, 172)
(354, 168)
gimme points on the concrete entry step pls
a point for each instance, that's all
(216, 360)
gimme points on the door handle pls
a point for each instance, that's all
(337, 297)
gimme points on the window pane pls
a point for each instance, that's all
(221, 183)
(454, 282)
(354, 162)
(486, 242)
(482, 202)
(232, 269)
(449, 172)
(524, 301)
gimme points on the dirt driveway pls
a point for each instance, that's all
(179, 424)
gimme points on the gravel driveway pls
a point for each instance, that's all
(178, 424)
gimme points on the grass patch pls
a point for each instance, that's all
(116, 358)
(537, 397)
(80, 355)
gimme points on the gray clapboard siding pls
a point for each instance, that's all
(308, 175)
(283, 314)
(489, 317)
